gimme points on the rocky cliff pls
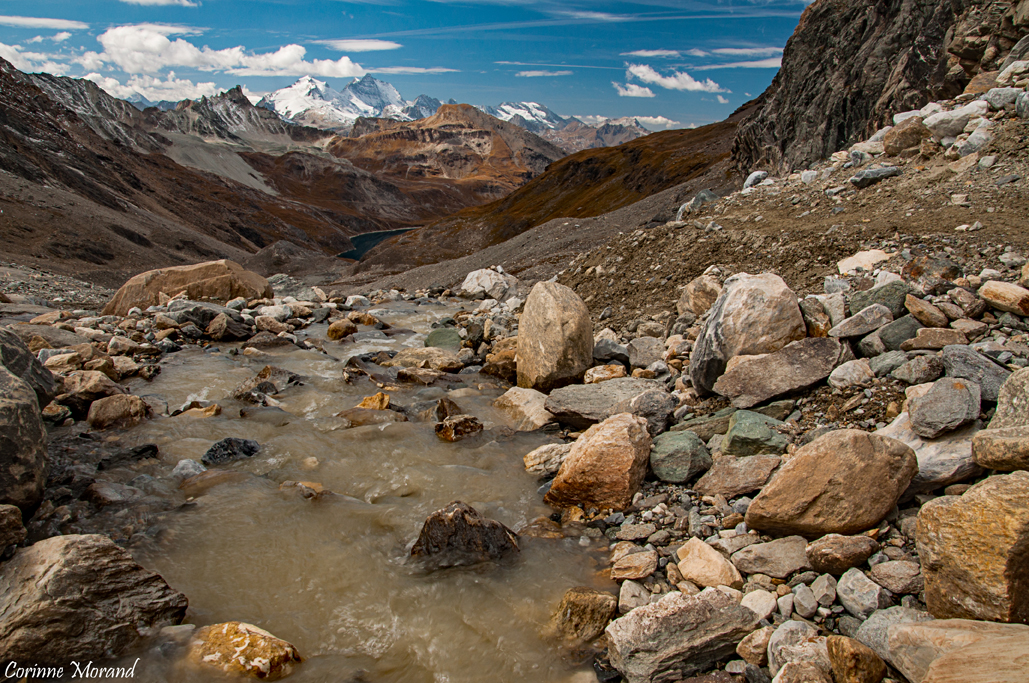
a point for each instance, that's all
(851, 65)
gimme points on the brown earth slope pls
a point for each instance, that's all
(589, 183)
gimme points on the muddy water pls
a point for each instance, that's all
(330, 575)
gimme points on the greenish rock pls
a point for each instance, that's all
(677, 457)
(752, 433)
(891, 295)
(899, 331)
(444, 338)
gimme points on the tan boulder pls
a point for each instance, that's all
(699, 296)
(555, 338)
(83, 387)
(754, 314)
(854, 662)
(340, 328)
(427, 357)
(24, 463)
(964, 650)
(221, 280)
(924, 312)
(706, 567)
(524, 409)
(1005, 449)
(844, 482)
(906, 135)
(582, 615)
(634, 566)
(121, 411)
(606, 465)
(602, 373)
(974, 551)
(243, 650)
(1005, 296)
(379, 401)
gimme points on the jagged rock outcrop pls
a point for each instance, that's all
(850, 66)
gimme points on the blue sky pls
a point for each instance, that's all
(665, 61)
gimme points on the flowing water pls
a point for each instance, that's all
(330, 574)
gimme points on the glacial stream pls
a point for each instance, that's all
(331, 574)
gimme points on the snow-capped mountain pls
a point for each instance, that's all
(141, 103)
(312, 102)
(531, 116)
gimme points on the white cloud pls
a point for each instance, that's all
(632, 90)
(254, 97)
(37, 22)
(679, 80)
(722, 100)
(538, 74)
(35, 39)
(661, 122)
(147, 48)
(154, 89)
(595, 16)
(31, 61)
(696, 53)
(651, 53)
(60, 37)
(748, 51)
(162, 3)
(770, 63)
(360, 45)
(413, 70)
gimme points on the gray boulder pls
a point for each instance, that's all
(859, 595)
(892, 295)
(919, 370)
(677, 457)
(798, 365)
(871, 176)
(949, 404)
(23, 456)
(645, 350)
(868, 319)
(555, 338)
(80, 597)
(582, 405)
(886, 363)
(899, 331)
(607, 351)
(752, 433)
(16, 357)
(779, 559)
(964, 362)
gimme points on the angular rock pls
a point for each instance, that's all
(852, 373)
(223, 328)
(752, 433)
(905, 135)
(79, 598)
(732, 477)
(919, 370)
(340, 328)
(797, 641)
(871, 176)
(1005, 296)
(815, 317)
(605, 466)
(444, 338)
(893, 335)
(955, 650)
(83, 387)
(22, 363)
(582, 405)
(458, 535)
(122, 411)
(546, 459)
(824, 590)
(603, 373)
(934, 338)
(798, 365)
(859, 595)
(24, 463)
(524, 408)
(974, 551)
(493, 284)
(655, 406)
(11, 528)
(779, 559)
(835, 553)
(925, 312)
(754, 648)
(428, 357)
(1005, 450)
(706, 567)
(699, 296)
(900, 577)
(864, 321)
(949, 404)
(1013, 402)
(677, 636)
(606, 351)
(874, 632)
(942, 461)
(634, 566)
(230, 449)
(555, 338)
(754, 314)
(760, 602)
(643, 351)
(582, 615)
(804, 602)
(853, 661)
(892, 295)
(964, 362)
(886, 363)
(632, 595)
(843, 482)
(453, 428)
(222, 280)
(241, 649)
(678, 457)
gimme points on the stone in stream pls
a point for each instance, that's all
(340, 329)
(24, 463)
(581, 616)
(752, 433)
(959, 650)
(754, 314)
(605, 467)
(11, 528)
(230, 449)
(458, 427)
(441, 360)
(965, 363)
(678, 457)
(524, 408)
(122, 411)
(974, 551)
(222, 280)
(224, 328)
(942, 461)
(844, 482)
(444, 338)
(458, 535)
(555, 338)
(779, 559)
(83, 387)
(241, 649)
(269, 380)
(801, 364)
(866, 320)
(582, 405)
(677, 636)
(546, 459)
(22, 363)
(731, 477)
(80, 597)
(1005, 450)
(835, 553)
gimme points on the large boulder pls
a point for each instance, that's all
(221, 280)
(22, 363)
(605, 467)
(798, 365)
(942, 461)
(963, 362)
(428, 357)
(80, 597)
(957, 650)
(23, 456)
(241, 649)
(1013, 402)
(581, 616)
(458, 535)
(754, 314)
(1005, 450)
(699, 296)
(582, 405)
(731, 477)
(82, 387)
(555, 338)
(974, 551)
(524, 408)
(950, 403)
(678, 636)
(908, 134)
(844, 482)
(490, 283)
(677, 457)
